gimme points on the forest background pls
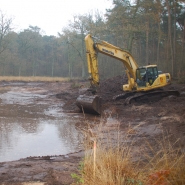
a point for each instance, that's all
(153, 31)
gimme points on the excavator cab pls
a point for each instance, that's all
(146, 75)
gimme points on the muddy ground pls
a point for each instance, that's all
(150, 121)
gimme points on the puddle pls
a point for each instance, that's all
(19, 96)
(39, 129)
(149, 130)
(55, 111)
(37, 138)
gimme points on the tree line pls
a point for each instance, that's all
(153, 31)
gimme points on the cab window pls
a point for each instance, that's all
(151, 74)
(139, 77)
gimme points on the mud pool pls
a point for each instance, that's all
(32, 123)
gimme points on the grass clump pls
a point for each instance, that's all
(116, 164)
(166, 165)
(112, 167)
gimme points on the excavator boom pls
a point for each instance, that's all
(92, 48)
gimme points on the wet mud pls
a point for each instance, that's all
(139, 122)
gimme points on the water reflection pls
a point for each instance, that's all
(36, 130)
(51, 137)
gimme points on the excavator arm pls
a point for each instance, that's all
(92, 48)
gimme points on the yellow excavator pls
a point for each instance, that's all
(142, 81)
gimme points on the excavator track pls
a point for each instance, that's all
(150, 96)
(145, 96)
(123, 95)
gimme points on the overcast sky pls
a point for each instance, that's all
(49, 15)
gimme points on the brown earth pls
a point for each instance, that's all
(150, 121)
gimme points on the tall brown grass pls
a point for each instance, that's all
(116, 164)
(33, 78)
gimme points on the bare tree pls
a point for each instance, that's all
(5, 28)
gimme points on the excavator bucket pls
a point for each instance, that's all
(89, 104)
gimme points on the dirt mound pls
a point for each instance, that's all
(111, 87)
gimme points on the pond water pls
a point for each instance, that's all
(33, 124)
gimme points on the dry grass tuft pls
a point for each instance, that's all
(166, 165)
(112, 166)
(33, 78)
(107, 164)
